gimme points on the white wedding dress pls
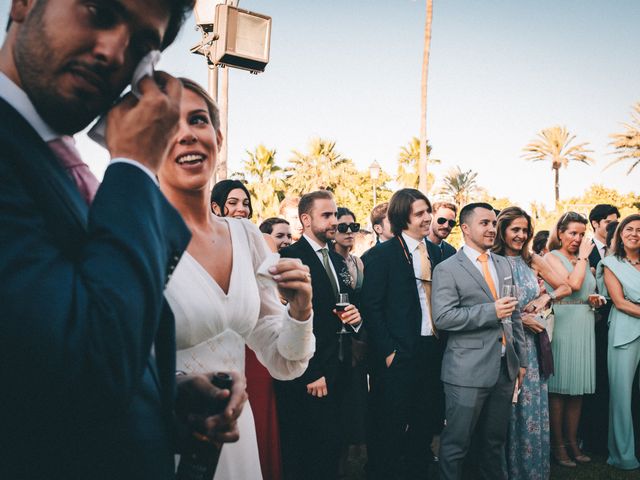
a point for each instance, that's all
(212, 328)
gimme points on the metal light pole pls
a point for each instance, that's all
(374, 172)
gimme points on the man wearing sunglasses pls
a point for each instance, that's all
(444, 219)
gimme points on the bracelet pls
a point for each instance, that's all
(552, 294)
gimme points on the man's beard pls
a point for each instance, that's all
(33, 53)
(324, 235)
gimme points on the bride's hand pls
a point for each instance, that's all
(294, 284)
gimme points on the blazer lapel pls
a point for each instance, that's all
(474, 272)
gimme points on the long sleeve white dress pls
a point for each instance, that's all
(212, 328)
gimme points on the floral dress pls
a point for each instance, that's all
(528, 444)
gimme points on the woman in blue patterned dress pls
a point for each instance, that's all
(527, 448)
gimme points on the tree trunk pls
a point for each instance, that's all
(557, 185)
(422, 163)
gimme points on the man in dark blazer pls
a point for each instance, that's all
(309, 407)
(485, 356)
(444, 219)
(594, 423)
(406, 400)
(87, 349)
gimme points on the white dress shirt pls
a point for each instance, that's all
(600, 246)
(412, 246)
(18, 99)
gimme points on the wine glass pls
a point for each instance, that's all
(508, 291)
(341, 304)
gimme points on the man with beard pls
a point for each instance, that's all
(485, 353)
(87, 349)
(444, 219)
(309, 407)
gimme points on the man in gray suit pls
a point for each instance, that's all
(484, 356)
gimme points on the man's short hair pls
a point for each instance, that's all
(179, 10)
(400, 208)
(449, 205)
(467, 210)
(379, 213)
(308, 199)
(602, 211)
(267, 225)
(288, 202)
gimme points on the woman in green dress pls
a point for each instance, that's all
(619, 278)
(573, 343)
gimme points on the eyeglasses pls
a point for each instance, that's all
(442, 221)
(343, 227)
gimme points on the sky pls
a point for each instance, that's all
(500, 71)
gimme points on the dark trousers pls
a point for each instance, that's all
(481, 416)
(406, 410)
(310, 430)
(594, 421)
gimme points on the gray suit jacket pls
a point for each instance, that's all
(464, 307)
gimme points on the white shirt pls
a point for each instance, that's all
(412, 246)
(18, 99)
(599, 246)
(316, 248)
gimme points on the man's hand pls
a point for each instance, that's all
(389, 359)
(350, 315)
(201, 406)
(294, 284)
(142, 130)
(318, 388)
(505, 306)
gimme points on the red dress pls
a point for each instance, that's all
(263, 405)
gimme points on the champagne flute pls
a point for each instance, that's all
(341, 305)
(508, 291)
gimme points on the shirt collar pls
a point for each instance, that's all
(313, 243)
(472, 253)
(412, 243)
(18, 99)
(598, 243)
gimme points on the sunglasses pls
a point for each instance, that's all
(442, 221)
(343, 227)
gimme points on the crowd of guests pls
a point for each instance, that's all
(124, 300)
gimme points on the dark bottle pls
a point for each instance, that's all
(202, 462)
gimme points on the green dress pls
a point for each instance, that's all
(573, 343)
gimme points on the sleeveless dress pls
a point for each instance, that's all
(624, 356)
(212, 328)
(573, 344)
(528, 443)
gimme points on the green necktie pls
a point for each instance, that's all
(327, 267)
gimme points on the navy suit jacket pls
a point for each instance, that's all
(390, 300)
(81, 307)
(324, 362)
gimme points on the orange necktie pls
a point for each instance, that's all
(484, 263)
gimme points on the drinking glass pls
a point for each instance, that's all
(508, 291)
(341, 304)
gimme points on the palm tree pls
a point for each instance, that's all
(408, 160)
(627, 143)
(422, 165)
(460, 185)
(553, 144)
(264, 181)
(321, 167)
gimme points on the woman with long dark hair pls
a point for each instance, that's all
(528, 442)
(620, 274)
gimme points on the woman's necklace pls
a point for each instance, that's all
(633, 262)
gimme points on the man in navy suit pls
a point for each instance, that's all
(87, 351)
(309, 407)
(444, 219)
(407, 400)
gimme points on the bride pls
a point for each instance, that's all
(223, 292)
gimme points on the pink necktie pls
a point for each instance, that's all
(64, 148)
